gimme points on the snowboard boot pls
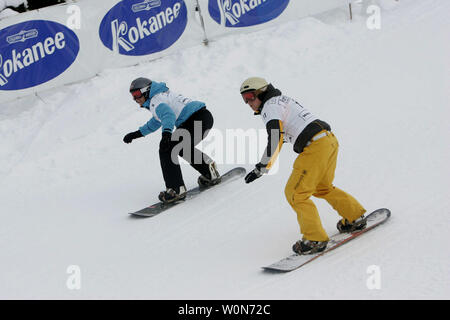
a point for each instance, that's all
(213, 179)
(171, 195)
(308, 247)
(344, 226)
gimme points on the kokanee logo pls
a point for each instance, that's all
(146, 5)
(22, 36)
(137, 28)
(34, 52)
(244, 13)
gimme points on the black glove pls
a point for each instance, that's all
(131, 136)
(254, 174)
(164, 145)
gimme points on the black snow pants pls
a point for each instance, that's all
(184, 140)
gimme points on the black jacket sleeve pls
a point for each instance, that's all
(274, 143)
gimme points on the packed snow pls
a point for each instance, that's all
(68, 182)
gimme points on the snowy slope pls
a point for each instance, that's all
(67, 180)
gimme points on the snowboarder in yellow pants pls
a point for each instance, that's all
(287, 120)
(313, 175)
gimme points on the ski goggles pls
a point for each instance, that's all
(249, 96)
(139, 93)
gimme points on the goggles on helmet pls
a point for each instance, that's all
(139, 93)
(249, 96)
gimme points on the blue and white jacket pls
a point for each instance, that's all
(169, 109)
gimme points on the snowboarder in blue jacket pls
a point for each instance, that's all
(192, 122)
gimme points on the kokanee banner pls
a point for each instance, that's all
(34, 52)
(245, 13)
(137, 27)
(38, 51)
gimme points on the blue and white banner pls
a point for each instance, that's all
(245, 13)
(142, 27)
(44, 49)
(225, 17)
(34, 52)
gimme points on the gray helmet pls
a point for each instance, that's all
(141, 84)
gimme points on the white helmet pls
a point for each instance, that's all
(254, 84)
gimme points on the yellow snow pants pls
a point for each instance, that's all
(313, 175)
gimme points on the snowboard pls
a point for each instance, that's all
(159, 207)
(296, 261)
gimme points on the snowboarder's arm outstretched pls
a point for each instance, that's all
(274, 143)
